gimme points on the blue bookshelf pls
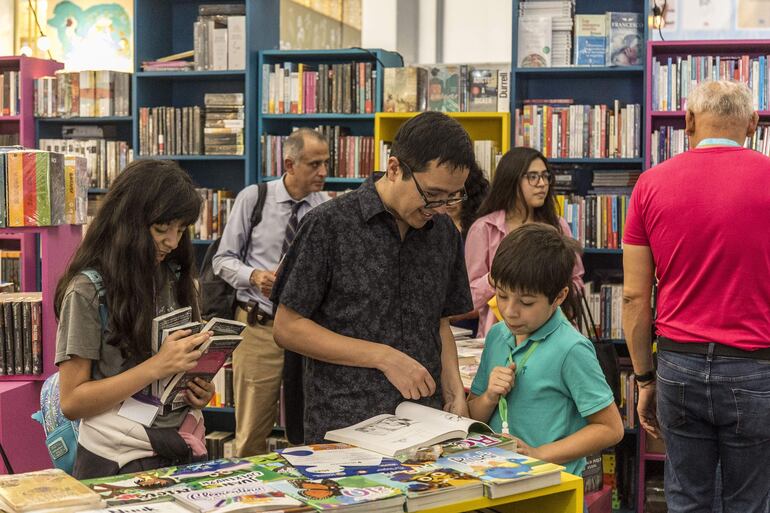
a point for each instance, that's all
(356, 124)
(591, 85)
(187, 88)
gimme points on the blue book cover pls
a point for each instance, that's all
(590, 40)
(325, 461)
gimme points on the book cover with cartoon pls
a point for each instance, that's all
(350, 491)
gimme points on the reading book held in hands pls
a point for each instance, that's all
(413, 426)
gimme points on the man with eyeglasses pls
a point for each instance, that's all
(371, 279)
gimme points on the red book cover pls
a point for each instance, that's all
(29, 189)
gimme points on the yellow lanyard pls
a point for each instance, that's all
(502, 403)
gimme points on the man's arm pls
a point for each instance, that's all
(638, 279)
(451, 383)
(296, 333)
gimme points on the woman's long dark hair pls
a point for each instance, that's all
(505, 193)
(476, 186)
(118, 245)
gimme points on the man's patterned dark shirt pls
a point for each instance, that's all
(349, 271)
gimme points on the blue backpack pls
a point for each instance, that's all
(61, 434)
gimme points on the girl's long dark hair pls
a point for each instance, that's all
(505, 193)
(118, 245)
(476, 186)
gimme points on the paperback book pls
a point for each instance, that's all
(413, 426)
(432, 487)
(52, 488)
(240, 498)
(350, 494)
(504, 472)
(324, 461)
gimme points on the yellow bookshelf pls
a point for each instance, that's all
(492, 126)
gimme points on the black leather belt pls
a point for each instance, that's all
(255, 314)
(667, 344)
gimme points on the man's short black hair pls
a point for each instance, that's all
(433, 136)
(536, 259)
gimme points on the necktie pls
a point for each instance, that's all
(291, 226)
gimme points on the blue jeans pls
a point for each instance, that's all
(714, 409)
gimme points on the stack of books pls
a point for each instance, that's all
(83, 94)
(223, 129)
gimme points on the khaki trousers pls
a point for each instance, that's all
(257, 369)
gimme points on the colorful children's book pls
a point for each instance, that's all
(52, 488)
(153, 485)
(324, 461)
(504, 472)
(432, 487)
(351, 494)
(243, 499)
(413, 426)
(479, 441)
(166, 506)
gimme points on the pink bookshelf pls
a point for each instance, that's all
(661, 50)
(29, 69)
(45, 250)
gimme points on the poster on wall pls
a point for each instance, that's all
(91, 34)
(708, 15)
(753, 14)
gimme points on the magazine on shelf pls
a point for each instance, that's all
(413, 426)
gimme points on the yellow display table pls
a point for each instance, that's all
(566, 497)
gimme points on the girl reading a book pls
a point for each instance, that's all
(136, 262)
(521, 193)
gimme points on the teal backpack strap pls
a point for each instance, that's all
(98, 282)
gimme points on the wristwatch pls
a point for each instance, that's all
(645, 377)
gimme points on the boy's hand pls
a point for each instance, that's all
(501, 381)
(527, 450)
(199, 392)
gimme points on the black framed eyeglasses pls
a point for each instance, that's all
(455, 200)
(534, 178)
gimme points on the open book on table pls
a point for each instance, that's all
(216, 350)
(413, 426)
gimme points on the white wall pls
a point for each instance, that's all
(477, 31)
(378, 24)
(427, 33)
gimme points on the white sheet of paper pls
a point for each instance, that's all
(138, 411)
(706, 14)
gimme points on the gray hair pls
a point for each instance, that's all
(295, 143)
(723, 98)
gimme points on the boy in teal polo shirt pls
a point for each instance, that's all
(539, 378)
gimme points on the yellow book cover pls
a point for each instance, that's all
(52, 488)
(15, 188)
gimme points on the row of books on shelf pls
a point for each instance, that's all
(41, 188)
(597, 221)
(105, 159)
(605, 301)
(350, 156)
(546, 37)
(9, 93)
(100, 93)
(669, 141)
(10, 270)
(447, 88)
(674, 77)
(215, 212)
(560, 129)
(9, 139)
(216, 129)
(487, 153)
(628, 398)
(298, 88)
(224, 396)
(21, 333)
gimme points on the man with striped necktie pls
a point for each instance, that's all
(250, 268)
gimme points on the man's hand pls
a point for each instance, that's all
(456, 405)
(647, 410)
(263, 280)
(406, 374)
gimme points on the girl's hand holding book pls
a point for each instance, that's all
(199, 392)
(179, 352)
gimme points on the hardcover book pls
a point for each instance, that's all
(52, 488)
(624, 38)
(444, 88)
(413, 426)
(404, 89)
(504, 472)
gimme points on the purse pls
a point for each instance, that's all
(605, 350)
